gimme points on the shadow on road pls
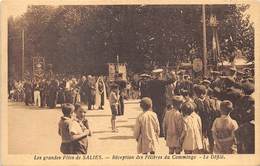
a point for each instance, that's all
(126, 126)
(121, 121)
(117, 137)
(100, 132)
(131, 118)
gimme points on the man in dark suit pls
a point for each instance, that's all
(157, 90)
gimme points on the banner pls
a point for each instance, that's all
(38, 67)
(114, 68)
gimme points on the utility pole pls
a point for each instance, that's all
(204, 42)
(22, 54)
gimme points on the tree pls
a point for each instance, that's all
(83, 39)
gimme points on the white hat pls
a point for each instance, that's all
(145, 75)
(156, 71)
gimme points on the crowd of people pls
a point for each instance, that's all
(213, 115)
(90, 90)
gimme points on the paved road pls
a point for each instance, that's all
(33, 130)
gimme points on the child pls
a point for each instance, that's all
(81, 115)
(64, 132)
(81, 146)
(71, 132)
(172, 125)
(191, 137)
(147, 128)
(223, 130)
(113, 100)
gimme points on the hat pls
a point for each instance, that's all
(251, 80)
(146, 103)
(206, 82)
(216, 89)
(186, 76)
(216, 72)
(157, 71)
(145, 75)
(240, 72)
(226, 106)
(233, 69)
(181, 72)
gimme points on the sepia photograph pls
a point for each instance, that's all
(117, 81)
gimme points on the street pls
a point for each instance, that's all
(33, 130)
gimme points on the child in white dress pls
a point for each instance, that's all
(191, 138)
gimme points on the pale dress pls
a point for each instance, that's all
(146, 132)
(193, 132)
(172, 125)
(224, 128)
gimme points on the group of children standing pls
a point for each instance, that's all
(182, 125)
(183, 129)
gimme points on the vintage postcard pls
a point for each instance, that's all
(129, 82)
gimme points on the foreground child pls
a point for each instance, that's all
(147, 128)
(81, 145)
(64, 125)
(223, 130)
(72, 135)
(172, 126)
(191, 138)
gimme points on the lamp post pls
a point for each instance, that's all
(204, 42)
(22, 54)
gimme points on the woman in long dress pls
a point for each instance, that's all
(100, 98)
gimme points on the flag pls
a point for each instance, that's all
(215, 46)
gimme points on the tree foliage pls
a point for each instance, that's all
(85, 38)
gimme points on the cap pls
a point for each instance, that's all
(145, 75)
(215, 72)
(233, 69)
(186, 76)
(156, 71)
(240, 73)
(206, 82)
(181, 72)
